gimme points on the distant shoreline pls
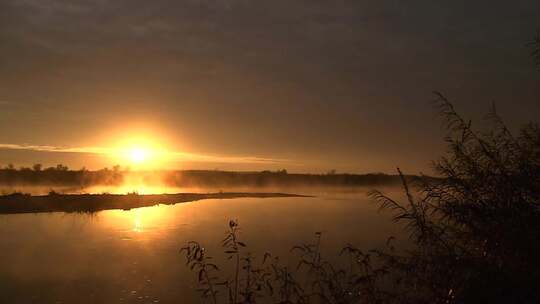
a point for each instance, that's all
(88, 203)
(62, 176)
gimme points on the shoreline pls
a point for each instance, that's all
(88, 203)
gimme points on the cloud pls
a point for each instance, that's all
(173, 155)
(226, 159)
(90, 150)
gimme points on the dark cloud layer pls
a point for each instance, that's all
(330, 84)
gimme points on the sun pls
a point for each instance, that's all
(138, 155)
(139, 152)
(142, 156)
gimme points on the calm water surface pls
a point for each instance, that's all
(133, 256)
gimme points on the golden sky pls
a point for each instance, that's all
(304, 85)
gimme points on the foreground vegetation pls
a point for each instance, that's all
(475, 231)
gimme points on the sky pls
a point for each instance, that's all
(305, 85)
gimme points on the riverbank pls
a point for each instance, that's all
(25, 203)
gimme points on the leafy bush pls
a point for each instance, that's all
(477, 228)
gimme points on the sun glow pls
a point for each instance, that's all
(147, 156)
(139, 153)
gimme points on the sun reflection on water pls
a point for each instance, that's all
(137, 223)
(141, 221)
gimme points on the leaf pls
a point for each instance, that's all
(201, 273)
(266, 256)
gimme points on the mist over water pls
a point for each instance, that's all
(132, 256)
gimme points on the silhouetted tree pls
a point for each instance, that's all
(61, 167)
(476, 229)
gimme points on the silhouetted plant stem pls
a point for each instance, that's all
(197, 260)
(232, 245)
(210, 286)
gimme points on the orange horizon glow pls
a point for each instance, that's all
(147, 148)
(139, 150)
